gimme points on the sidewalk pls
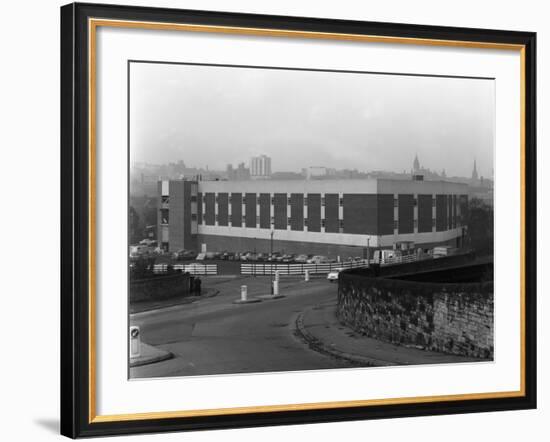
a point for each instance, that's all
(150, 355)
(320, 328)
(146, 306)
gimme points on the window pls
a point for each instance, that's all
(395, 202)
(323, 201)
(244, 220)
(193, 198)
(165, 199)
(257, 220)
(433, 222)
(305, 201)
(341, 224)
(433, 202)
(341, 202)
(289, 221)
(288, 201)
(272, 220)
(395, 225)
(415, 202)
(216, 218)
(193, 217)
(216, 199)
(305, 222)
(164, 216)
(272, 201)
(323, 222)
(416, 224)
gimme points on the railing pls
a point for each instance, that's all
(261, 269)
(404, 259)
(193, 269)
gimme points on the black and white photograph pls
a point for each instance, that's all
(286, 219)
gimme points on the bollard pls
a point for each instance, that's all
(135, 342)
(306, 275)
(244, 293)
(276, 287)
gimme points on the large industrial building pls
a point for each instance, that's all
(325, 217)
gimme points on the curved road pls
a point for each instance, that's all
(216, 336)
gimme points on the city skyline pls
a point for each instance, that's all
(349, 120)
(417, 167)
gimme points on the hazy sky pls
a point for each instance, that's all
(207, 115)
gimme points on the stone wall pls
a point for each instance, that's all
(160, 287)
(449, 318)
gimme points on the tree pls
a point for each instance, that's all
(480, 222)
(135, 230)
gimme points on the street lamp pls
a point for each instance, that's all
(271, 257)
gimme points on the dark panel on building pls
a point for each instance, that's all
(385, 214)
(250, 209)
(440, 212)
(297, 211)
(360, 213)
(454, 212)
(177, 216)
(210, 208)
(280, 204)
(463, 202)
(405, 212)
(424, 213)
(314, 212)
(199, 207)
(236, 209)
(449, 212)
(223, 209)
(159, 205)
(331, 213)
(265, 212)
(189, 239)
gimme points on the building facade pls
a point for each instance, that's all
(334, 218)
(260, 167)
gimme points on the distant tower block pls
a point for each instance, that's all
(260, 167)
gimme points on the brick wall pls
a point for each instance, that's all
(449, 318)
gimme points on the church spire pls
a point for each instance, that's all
(474, 172)
(416, 163)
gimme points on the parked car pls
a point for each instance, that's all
(273, 256)
(318, 259)
(229, 256)
(333, 274)
(301, 259)
(261, 257)
(201, 257)
(139, 250)
(184, 255)
(287, 258)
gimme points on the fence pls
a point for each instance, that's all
(402, 259)
(261, 269)
(193, 269)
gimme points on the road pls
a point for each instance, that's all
(216, 336)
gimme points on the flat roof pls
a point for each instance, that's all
(372, 185)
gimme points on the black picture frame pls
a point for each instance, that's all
(76, 403)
